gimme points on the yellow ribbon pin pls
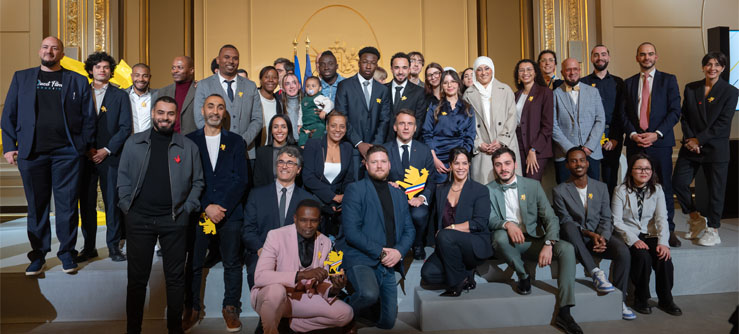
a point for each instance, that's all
(241, 94)
(379, 101)
(531, 98)
(710, 99)
(143, 104)
(523, 197)
(223, 147)
(208, 226)
(103, 109)
(443, 113)
(403, 98)
(592, 84)
(590, 196)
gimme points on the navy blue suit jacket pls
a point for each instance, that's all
(19, 114)
(364, 225)
(261, 214)
(369, 126)
(313, 179)
(420, 157)
(664, 108)
(473, 207)
(226, 184)
(119, 124)
(414, 99)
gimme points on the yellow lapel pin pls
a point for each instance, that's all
(592, 84)
(710, 99)
(523, 197)
(403, 98)
(531, 98)
(143, 104)
(590, 196)
(223, 147)
(103, 109)
(443, 113)
(379, 101)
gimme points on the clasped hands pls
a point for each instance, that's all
(97, 156)
(692, 145)
(489, 148)
(645, 139)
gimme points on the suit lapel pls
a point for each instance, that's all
(274, 200)
(189, 97)
(589, 198)
(374, 199)
(569, 105)
(709, 111)
(572, 190)
(221, 151)
(523, 200)
(634, 206)
(360, 91)
(499, 198)
(66, 81)
(395, 162)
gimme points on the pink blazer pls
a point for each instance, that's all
(280, 261)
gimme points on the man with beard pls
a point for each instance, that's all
(160, 180)
(652, 110)
(330, 79)
(377, 233)
(141, 96)
(223, 157)
(54, 108)
(578, 121)
(241, 95)
(524, 225)
(611, 89)
(417, 63)
(404, 96)
(101, 162)
(183, 91)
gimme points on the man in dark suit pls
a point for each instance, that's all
(101, 162)
(405, 152)
(366, 103)
(142, 97)
(183, 91)
(404, 96)
(377, 233)
(223, 155)
(652, 110)
(48, 122)
(272, 206)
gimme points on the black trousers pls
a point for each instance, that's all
(715, 173)
(642, 264)
(142, 234)
(452, 260)
(616, 250)
(108, 176)
(609, 168)
(420, 218)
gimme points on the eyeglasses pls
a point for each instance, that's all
(449, 83)
(289, 164)
(416, 61)
(525, 70)
(643, 170)
(434, 75)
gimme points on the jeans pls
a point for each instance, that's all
(376, 296)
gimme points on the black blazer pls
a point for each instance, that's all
(420, 157)
(261, 214)
(708, 119)
(227, 184)
(369, 126)
(117, 111)
(473, 206)
(664, 110)
(413, 98)
(315, 157)
(264, 163)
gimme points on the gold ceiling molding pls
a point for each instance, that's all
(548, 24)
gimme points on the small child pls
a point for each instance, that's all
(315, 107)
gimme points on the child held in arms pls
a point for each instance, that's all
(314, 125)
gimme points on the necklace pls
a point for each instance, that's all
(456, 190)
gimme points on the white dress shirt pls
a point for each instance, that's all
(394, 84)
(519, 106)
(650, 82)
(512, 207)
(223, 80)
(141, 108)
(99, 96)
(574, 94)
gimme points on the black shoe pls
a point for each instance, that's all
(674, 241)
(642, 307)
(524, 286)
(419, 253)
(568, 324)
(471, 284)
(670, 308)
(456, 290)
(86, 255)
(116, 255)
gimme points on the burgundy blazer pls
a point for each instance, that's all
(537, 121)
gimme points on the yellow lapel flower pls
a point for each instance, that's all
(103, 109)
(403, 98)
(443, 113)
(143, 104)
(593, 84)
(223, 147)
(590, 196)
(379, 101)
(523, 197)
(241, 94)
(710, 99)
(531, 98)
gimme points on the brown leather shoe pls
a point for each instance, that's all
(231, 315)
(190, 318)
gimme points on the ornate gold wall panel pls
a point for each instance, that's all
(101, 21)
(563, 26)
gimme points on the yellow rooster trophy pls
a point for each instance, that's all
(333, 262)
(208, 226)
(414, 182)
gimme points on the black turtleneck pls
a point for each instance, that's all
(383, 192)
(155, 197)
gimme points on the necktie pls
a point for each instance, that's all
(366, 93)
(644, 108)
(396, 102)
(640, 192)
(405, 159)
(229, 90)
(305, 255)
(283, 204)
(508, 186)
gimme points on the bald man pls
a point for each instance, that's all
(183, 91)
(579, 121)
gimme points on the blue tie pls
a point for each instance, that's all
(229, 90)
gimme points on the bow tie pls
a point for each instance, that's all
(569, 89)
(508, 186)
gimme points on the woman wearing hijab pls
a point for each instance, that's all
(495, 113)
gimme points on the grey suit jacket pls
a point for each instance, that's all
(245, 110)
(626, 220)
(578, 125)
(187, 123)
(569, 208)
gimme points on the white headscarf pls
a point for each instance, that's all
(486, 92)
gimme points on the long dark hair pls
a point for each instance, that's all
(427, 86)
(629, 180)
(290, 139)
(443, 99)
(453, 156)
(538, 78)
(461, 77)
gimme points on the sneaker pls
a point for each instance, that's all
(36, 267)
(69, 267)
(600, 282)
(696, 227)
(231, 316)
(190, 318)
(710, 237)
(627, 313)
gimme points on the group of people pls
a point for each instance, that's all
(276, 177)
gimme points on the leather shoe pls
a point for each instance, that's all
(568, 324)
(524, 286)
(231, 316)
(190, 318)
(642, 307)
(116, 255)
(419, 253)
(670, 308)
(674, 241)
(86, 255)
(456, 290)
(471, 284)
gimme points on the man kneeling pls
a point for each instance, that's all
(298, 287)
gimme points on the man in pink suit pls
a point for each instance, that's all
(298, 287)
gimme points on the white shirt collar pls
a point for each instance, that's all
(400, 144)
(651, 73)
(221, 79)
(395, 84)
(362, 80)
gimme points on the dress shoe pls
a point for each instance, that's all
(568, 324)
(231, 316)
(471, 284)
(36, 267)
(419, 253)
(69, 266)
(524, 286)
(86, 255)
(670, 308)
(642, 307)
(456, 290)
(674, 241)
(190, 318)
(116, 255)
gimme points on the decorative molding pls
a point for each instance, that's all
(347, 59)
(574, 29)
(72, 25)
(100, 24)
(548, 24)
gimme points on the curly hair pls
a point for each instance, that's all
(96, 58)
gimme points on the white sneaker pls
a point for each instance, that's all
(601, 283)
(627, 313)
(710, 237)
(696, 227)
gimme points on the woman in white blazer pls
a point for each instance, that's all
(640, 219)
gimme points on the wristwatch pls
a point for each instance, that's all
(549, 243)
